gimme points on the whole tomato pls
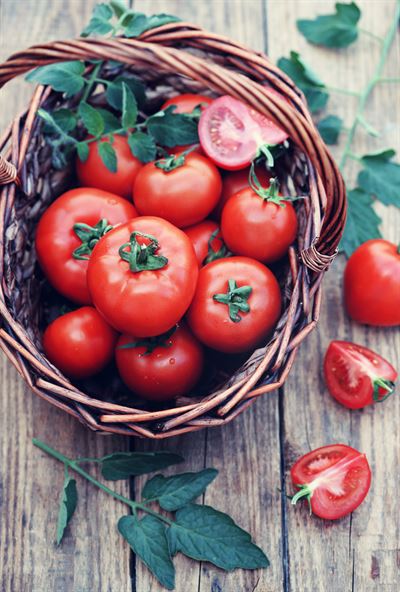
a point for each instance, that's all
(186, 103)
(372, 284)
(94, 173)
(183, 192)
(68, 231)
(160, 368)
(142, 276)
(80, 343)
(207, 242)
(237, 303)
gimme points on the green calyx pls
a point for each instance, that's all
(271, 193)
(265, 150)
(236, 300)
(89, 236)
(387, 385)
(141, 256)
(151, 343)
(305, 491)
(222, 252)
(170, 163)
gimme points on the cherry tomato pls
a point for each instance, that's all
(142, 276)
(68, 231)
(334, 479)
(94, 173)
(231, 133)
(356, 376)
(372, 284)
(184, 195)
(236, 304)
(160, 368)
(186, 103)
(207, 242)
(80, 343)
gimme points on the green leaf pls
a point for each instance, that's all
(333, 30)
(69, 499)
(65, 77)
(123, 465)
(306, 80)
(147, 538)
(142, 146)
(65, 119)
(92, 120)
(83, 151)
(99, 23)
(108, 155)
(141, 23)
(118, 7)
(362, 221)
(177, 491)
(380, 177)
(329, 127)
(114, 91)
(202, 533)
(172, 129)
(129, 108)
(111, 123)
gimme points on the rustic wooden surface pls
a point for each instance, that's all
(359, 553)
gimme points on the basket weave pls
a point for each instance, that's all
(176, 57)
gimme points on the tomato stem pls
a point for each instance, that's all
(305, 491)
(236, 300)
(89, 237)
(151, 343)
(222, 252)
(142, 257)
(387, 385)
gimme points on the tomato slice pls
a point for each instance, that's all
(356, 376)
(335, 479)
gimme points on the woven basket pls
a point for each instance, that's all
(177, 57)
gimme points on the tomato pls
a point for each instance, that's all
(80, 343)
(258, 227)
(207, 242)
(232, 134)
(142, 276)
(94, 173)
(186, 103)
(356, 376)
(335, 479)
(372, 284)
(184, 195)
(160, 368)
(68, 231)
(236, 304)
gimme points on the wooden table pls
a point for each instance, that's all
(254, 454)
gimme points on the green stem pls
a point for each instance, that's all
(389, 80)
(343, 91)
(371, 35)
(91, 81)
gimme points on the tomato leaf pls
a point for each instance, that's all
(118, 7)
(330, 127)
(66, 77)
(123, 465)
(114, 91)
(69, 499)
(65, 119)
(305, 79)
(129, 108)
(175, 492)
(111, 122)
(99, 23)
(333, 30)
(108, 156)
(362, 221)
(141, 23)
(91, 118)
(147, 538)
(380, 177)
(142, 146)
(172, 129)
(83, 151)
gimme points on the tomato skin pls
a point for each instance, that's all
(183, 196)
(350, 372)
(80, 343)
(254, 227)
(56, 239)
(372, 284)
(200, 234)
(166, 372)
(352, 478)
(210, 321)
(144, 303)
(185, 103)
(93, 173)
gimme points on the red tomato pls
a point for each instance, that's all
(231, 133)
(68, 231)
(372, 284)
(160, 368)
(207, 242)
(334, 479)
(183, 196)
(93, 173)
(237, 303)
(256, 227)
(356, 376)
(186, 103)
(80, 343)
(142, 276)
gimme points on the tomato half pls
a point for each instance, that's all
(142, 276)
(186, 103)
(160, 368)
(68, 231)
(94, 173)
(184, 195)
(207, 242)
(356, 376)
(334, 479)
(237, 303)
(80, 343)
(372, 284)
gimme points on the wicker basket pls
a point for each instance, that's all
(184, 58)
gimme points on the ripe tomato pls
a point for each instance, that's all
(94, 173)
(334, 479)
(372, 284)
(232, 134)
(142, 276)
(80, 343)
(356, 376)
(186, 103)
(184, 195)
(68, 231)
(160, 368)
(254, 226)
(237, 303)
(207, 242)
